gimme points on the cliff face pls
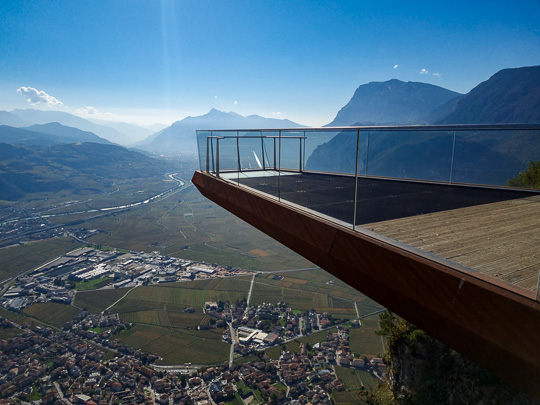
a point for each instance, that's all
(425, 371)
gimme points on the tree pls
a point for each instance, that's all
(530, 178)
(387, 323)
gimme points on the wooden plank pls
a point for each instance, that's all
(499, 239)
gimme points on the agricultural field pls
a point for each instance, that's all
(93, 284)
(168, 319)
(304, 290)
(239, 361)
(7, 333)
(364, 341)
(313, 280)
(15, 260)
(358, 383)
(162, 326)
(238, 284)
(189, 226)
(175, 346)
(175, 297)
(97, 301)
(347, 398)
(52, 313)
(355, 379)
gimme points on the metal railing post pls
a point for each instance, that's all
(356, 178)
(208, 154)
(238, 152)
(262, 152)
(217, 157)
(304, 150)
(367, 152)
(279, 168)
(212, 150)
(275, 164)
(300, 147)
(452, 160)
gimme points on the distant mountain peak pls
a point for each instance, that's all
(181, 135)
(392, 102)
(218, 113)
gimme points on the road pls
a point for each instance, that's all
(233, 342)
(373, 313)
(357, 313)
(120, 299)
(250, 289)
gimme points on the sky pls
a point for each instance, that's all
(149, 61)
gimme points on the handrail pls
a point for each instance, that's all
(253, 137)
(449, 127)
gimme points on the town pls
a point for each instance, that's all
(81, 366)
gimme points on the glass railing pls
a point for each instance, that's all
(489, 155)
(365, 175)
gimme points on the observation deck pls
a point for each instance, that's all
(432, 222)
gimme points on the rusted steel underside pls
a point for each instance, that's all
(487, 323)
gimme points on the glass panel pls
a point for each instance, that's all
(303, 154)
(331, 151)
(420, 155)
(289, 147)
(250, 146)
(494, 157)
(270, 149)
(201, 144)
(228, 152)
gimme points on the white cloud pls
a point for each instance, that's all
(91, 112)
(35, 96)
(439, 75)
(395, 66)
(424, 72)
(235, 102)
(215, 97)
(276, 113)
(86, 111)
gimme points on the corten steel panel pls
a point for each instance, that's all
(496, 327)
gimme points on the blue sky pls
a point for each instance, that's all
(151, 61)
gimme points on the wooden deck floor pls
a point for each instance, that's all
(500, 239)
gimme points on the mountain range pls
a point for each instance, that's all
(47, 134)
(510, 96)
(180, 136)
(33, 138)
(74, 168)
(116, 132)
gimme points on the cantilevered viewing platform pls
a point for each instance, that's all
(435, 223)
(491, 231)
